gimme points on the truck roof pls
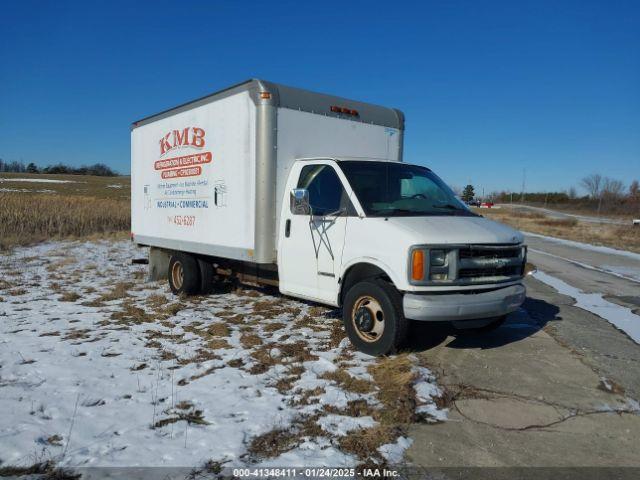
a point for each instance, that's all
(297, 99)
(350, 159)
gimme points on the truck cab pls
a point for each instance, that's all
(389, 242)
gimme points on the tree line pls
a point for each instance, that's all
(98, 169)
(602, 194)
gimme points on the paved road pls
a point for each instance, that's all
(539, 391)
(617, 276)
(558, 214)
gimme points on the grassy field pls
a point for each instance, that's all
(616, 236)
(44, 207)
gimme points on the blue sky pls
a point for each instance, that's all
(488, 88)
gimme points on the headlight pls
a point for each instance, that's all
(428, 265)
(438, 258)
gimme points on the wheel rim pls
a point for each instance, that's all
(367, 318)
(177, 275)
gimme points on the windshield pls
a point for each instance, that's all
(396, 189)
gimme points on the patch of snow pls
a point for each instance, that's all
(341, 424)
(115, 185)
(25, 190)
(619, 316)
(311, 453)
(394, 452)
(630, 405)
(586, 246)
(426, 392)
(77, 370)
(38, 180)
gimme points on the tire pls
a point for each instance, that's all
(184, 274)
(373, 317)
(206, 276)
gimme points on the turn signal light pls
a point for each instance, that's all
(265, 95)
(417, 265)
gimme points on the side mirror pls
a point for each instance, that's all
(299, 201)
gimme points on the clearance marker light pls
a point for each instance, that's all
(265, 95)
(344, 110)
(417, 265)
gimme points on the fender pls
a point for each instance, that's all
(373, 261)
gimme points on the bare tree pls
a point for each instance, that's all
(634, 189)
(612, 189)
(592, 184)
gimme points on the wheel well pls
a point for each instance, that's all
(358, 273)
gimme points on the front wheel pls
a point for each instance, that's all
(373, 317)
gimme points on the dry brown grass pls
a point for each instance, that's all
(273, 443)
(218, 330)
(27, 219)
(348, 382)
(615, 236)
(75, 210)
(183, 411)
(394, 377)
(250, 340)
(69, 297)
(365, 442)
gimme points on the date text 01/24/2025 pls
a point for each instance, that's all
(316, 472)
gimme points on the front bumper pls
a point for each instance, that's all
(463, 306)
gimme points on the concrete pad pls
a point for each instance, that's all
(509, 413)
(521, 397)
(605, 439)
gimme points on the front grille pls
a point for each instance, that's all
(489, 272)
(479, 252)
(478, 263)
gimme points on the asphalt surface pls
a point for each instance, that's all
(615, 276)
(555, 386)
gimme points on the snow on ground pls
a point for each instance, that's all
(26, 190)
(619, 316)
(586, 246)
(100, 368)
(115, 185)
(37, 180)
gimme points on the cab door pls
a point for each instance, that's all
(311, 245)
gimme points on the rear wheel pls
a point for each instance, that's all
(184, 274)
(373, 317)
(206, 276)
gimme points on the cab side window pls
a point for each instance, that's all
(326, 193)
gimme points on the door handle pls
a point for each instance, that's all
(287, 228)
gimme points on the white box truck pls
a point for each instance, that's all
(281, 186)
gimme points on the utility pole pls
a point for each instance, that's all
(524, 178)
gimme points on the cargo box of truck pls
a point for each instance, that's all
(208, 176)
